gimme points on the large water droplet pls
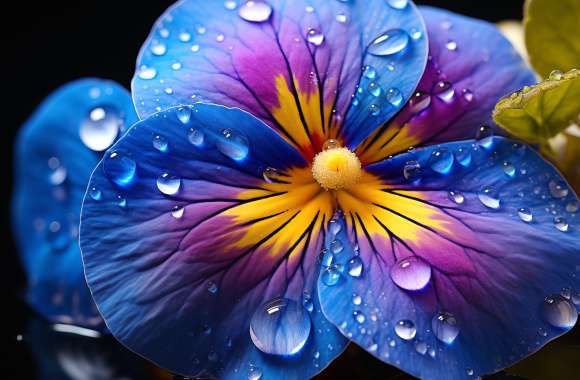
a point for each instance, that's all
(412, 170)
(355, 266)
(234, 145)
(445, 327)
(391, 42)
(420, 101)
(489, 198)
(330, 275)
(160, 143)
(559, 312)
(315, 36)
(195, 136)
(100, 129)
(558, 189)
(561, 224)
(119, 168)
(280, 327)
(255, 11)
(525, 214)
(444, 91)
(398, 4)
(394, 96)
(168, 184)
(405, 329)
(411, 273)
(441, 161)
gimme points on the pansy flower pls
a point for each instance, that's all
(275, 209)
(56, 151)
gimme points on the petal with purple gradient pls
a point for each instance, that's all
(312, 70)
(471, 67)
(455, 271)
(56, 151)
(219, 236)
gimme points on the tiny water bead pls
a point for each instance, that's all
(489, 198)
(559, 312)
(168, 184)
(445, 327)
(315, 36)
(419, 102)
(280, 327)
(441, 161)
(355, 267)
(389, 43)
(369, 72)
(451, 45)
(121, 202)
(509, 169)
(558, 189)
(359, 317)
(525, 214)
(160, 143)
(405, 329)
(331, 275)
(95, 193)
(307, 302)
(158, 48)
(356, 299)
(398, 4)
(411, 273)
(467, 95)
(195, 136)
(421, 347)
(484, 136)
(177, 212)
(444, 91)
(184, 114)
(561, 224)
(457, 197)
(326, 258)
(100, 129)
(119, 168)
(255, 11)
(233, 145)
(375, 89)
(394, 97)
(463, 156)
(412, 170)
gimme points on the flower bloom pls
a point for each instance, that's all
(56, 151)
(285, 213)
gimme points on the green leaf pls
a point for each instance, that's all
(539, 112)
(552, 29)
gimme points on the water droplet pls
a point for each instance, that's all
(467, 95)
(355, 266)
(177, 212)
(375, 89)
(195, 136)
(280, 327)
(394, 96)
(558, 189)
(271, 175)
(451, 45)
(255, 11)
(315, 37)
(330, 275)
(445, 327)
(356, 299)
(336, 246)
(230, 5)
(220, 38)
(463, 156)
(168, 184)
(444, 91)
(415, 33)
(421, 347)
(420, 101)
(398, 4)
(556, 75)
(359, 317)
(469, 372)
(341, 17)
(95, 193)
(326, 258)
(375, 109)
(255, 373)
(195, 48)
(120, 169)
(158, 48)
(184, 114)
(405, 329)
(489, 198)
(184, 37)
(484, 136)
(391, 42)
(441, 161)
(234, 145)
(572, 207)
(334, 227)
(411, 273)
(160, 143)
(121, 202)
(525, 214)
(176, 66)
(457, 197)
(146, 73)
(561, 224)
(369, 72)
(559, 312)
(307, 302)
(509, 169)
(58, 173)
(412, 170)
(331, 144)
(212, 287)
(99, 131)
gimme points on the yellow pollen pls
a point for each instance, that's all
(336, 168)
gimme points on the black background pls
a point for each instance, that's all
(46, 44)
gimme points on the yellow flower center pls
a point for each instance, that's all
(336, 168)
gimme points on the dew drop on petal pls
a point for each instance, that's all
(405, 329)
(146, 73)
(177, 212)
(280, 327)
(168, 184)
(234, 145)
(444, 91)
(559, 312)
(100, 129)
(484, 136)
(255, 373)
(420, 101)
(369, 72)
(441, 161)
(451, 45)
(184, 114)
(355, 266)
(398, 4)
(330, 275)
(160, 143)
(463, 156)
(315, 37)
(394, 97)
(558, 189)
(412, 170)
(411, 273)
(120, 168)
(195, 136)
(158, 48)
(334, 226)
(525, 214)
(561, 224)
(445, 327)
(489, 198)
(391, 42)
(255, 11)
(421, 347)
(457, 197)
(509, 169)
(572, 207)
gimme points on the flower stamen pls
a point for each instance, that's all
(336, 168)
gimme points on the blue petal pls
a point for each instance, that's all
(312, 70)
(53, 167)
(464, 267)
(211, 233)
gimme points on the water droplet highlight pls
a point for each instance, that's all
(177, 212)
(441, 161)
(355, 266)
(146, 73)
(99, 131)
(457, 197)
(444, 91)
(168, 184)
(405, 329)
(411, 273)
(489, 198)
(255, 11)
(525, 214)
(559, 312)
(394, 97)
(315, 37)
(558, 189)
(445, 327)
(330, 275)
(419, 102)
